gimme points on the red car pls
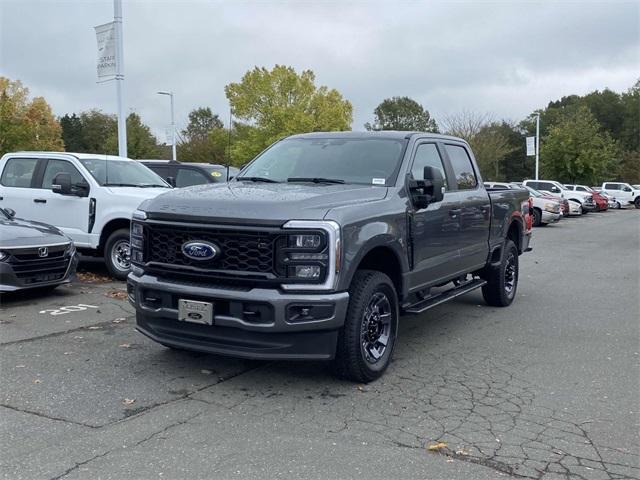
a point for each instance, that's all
(602, 203)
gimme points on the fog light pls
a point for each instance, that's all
(136, 256)
(136, 229)
(306, 271)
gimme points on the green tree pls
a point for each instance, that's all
(140, 142)
(279, 102)
(402, 113)
(577, 151)
(26, 124)
(72, 133)
(205, 138)
(630, 131)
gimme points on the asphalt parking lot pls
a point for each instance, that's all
(547, 388)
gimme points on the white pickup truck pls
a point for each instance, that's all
(585, 199)
(89, 197)
(624, 193)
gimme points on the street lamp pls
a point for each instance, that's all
(173, 126)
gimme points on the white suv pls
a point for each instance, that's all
(623, 192)
(89, 197)
(585, 199)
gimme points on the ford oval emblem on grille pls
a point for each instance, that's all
(196, 250)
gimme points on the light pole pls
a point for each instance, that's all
(173, 126)
(122, 121)
(537, 145)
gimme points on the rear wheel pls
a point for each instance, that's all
(636, 202)
(537, 217)
(366, 341)
(117, 254)
(502, 281)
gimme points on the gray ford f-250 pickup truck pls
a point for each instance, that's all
(318, 245)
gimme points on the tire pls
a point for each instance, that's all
(618, 206)
(537, 217)
(502, 281)
(636, 202)
(361, 356)
(116, 254)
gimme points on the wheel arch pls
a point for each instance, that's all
(110, 227)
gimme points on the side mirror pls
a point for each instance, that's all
(10, 211)
(61, 184)
(437, 180)
(427, 191)
(171, 181)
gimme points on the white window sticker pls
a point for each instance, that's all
(378, 181)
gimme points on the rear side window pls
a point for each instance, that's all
(55, 167)
(189, 176)
(611, 186)
(427, 156)
(462, 167)
(18, 172)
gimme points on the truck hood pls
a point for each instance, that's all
(259, 202)
(23, 233)
(137, 193)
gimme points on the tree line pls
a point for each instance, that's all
(584, 139)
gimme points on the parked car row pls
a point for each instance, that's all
(552, 200)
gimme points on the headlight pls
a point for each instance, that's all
(71, 250)
(311, 241)
(137, 241)
(3, 256)
(309, 259)
(551, 207)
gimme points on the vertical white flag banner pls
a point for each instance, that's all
(107, 59)
(531, 146)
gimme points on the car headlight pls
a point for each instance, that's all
(3, 256)
(137, 241)
(551, 207)
(309, 259)
(71, 250)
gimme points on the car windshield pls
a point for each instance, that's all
(368, 161)
(534, 192)
(122, 173)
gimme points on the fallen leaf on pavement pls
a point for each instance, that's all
(119, 294)
(462, 452)
(118, 320)
(90, 277)
(37, 380)
(125, 345)
(68, 353)
(361, 388)
(20, 366)
(95, 328)
(128, 401)
(437, 446)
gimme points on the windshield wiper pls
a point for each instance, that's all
(315, 180)
(120, 185)
(258, 179)
(150, 185)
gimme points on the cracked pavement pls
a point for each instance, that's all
(546, 389)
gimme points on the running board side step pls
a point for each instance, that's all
(430, 302)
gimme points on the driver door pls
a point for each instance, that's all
(69, 213)
(435, 229)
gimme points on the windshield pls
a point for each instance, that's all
(219, 174)
(368, 161)
(533, 192)
(122, 173)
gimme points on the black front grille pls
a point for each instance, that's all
(245, 251)
(31, 268)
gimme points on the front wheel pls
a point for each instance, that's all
(366, 340)
(502, 281)
(537, 217)
(636, 202)
(117, 254)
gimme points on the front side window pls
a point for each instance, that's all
(189, 176)
(122, 173)
(427, 156)
(55, 167)
(18, 172)
(462, 167)
(367, 161)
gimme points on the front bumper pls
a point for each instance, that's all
(10, 282)
(549, 217)
(247, 322)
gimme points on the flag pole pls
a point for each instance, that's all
(537, 145)
(122, 121)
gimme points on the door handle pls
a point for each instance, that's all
(453, 213)
(39, 200)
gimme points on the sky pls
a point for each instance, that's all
(501, 58)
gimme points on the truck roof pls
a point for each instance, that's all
(393, 134)
(26, 153)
